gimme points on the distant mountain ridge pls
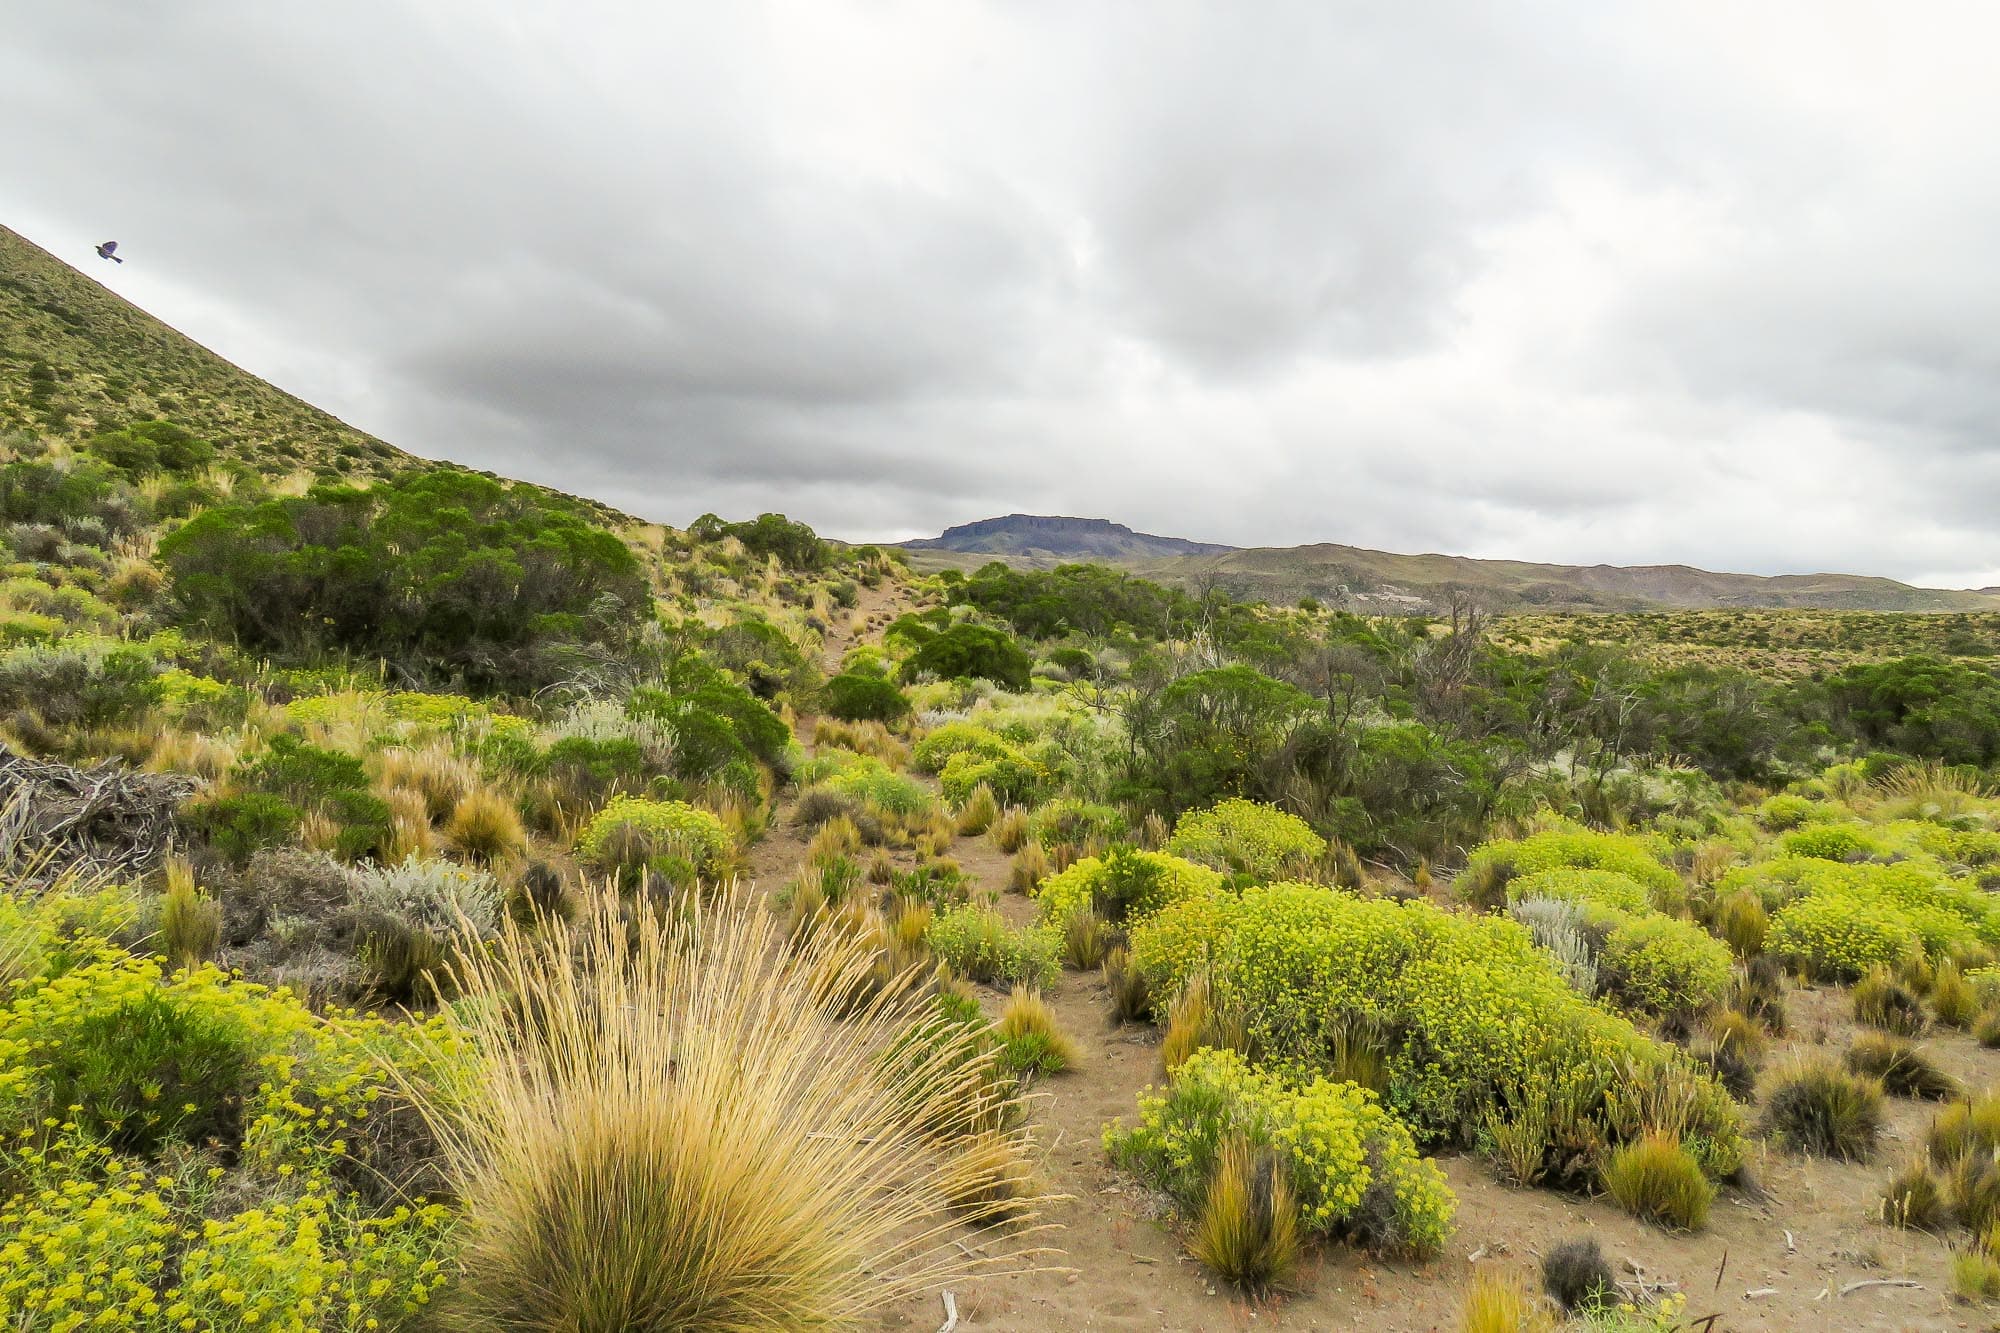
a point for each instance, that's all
(1048, 536)
(1384, 582)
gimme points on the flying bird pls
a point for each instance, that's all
(109, 250)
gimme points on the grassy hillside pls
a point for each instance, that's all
(76, 359)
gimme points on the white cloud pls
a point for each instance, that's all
(1669, 282)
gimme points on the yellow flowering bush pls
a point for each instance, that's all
(1477, 1007)
(1580, 848)
(1838, 937)
(977, 942)
(128, 1090)
(941, 744)
(1666, 966)
(1182, 939)
(310, 1264)
(1125, 885)
(1352, 1165)
(1601, 888)
(1244, 837)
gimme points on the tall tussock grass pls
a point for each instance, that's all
(665, 1128)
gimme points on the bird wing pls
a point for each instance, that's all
(107, 247)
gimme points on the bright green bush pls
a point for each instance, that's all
(1242, 836)
(967, 651)
(1665, 966)
(1353, 1167)
(1578, 848)
(1598, 888)
(1012, 777)
(1829, 842)
(978, 943)
(1786, 811)
(631, 833)
(1124, 885)
(863, 696)
(954, 738)
(1067, 820)
(446, 572)
(869, 779)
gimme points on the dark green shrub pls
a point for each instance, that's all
(150, 1072)
(240, 826)
(449, 574)
(860, 696)
(967, 651)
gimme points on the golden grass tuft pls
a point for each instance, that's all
(836, 837)
(440, 777)
(1030, 868)
(485, 827)
(1032, 1041)
(1010, 831)
(978, 813)
(1248, 1232)
(683, 1137)
(190, 920)
(1086, 937)
(1500, 1302)
(410, 828)
(1741, 922)
(1657, 1179)
(990, 1180)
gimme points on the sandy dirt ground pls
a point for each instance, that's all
(1777, 1262)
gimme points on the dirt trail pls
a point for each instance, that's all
(1123, 1269)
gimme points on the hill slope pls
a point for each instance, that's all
(1049, 538)
(75, 358)
(1382, 581)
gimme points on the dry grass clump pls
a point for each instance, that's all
(1882, 1001)
(1031, 1041)
(485, 827)
(1953, 1002)
(1902, 1067)
(1030, 868)
(1577, 1276)
(1248, 1232)
(1741, 922)
(1010, 831)
(1986, 1029)
(836, 837)
(990, 1180)
(1086, 937)
(1195, 1020)
(1914, 1198)
(1500, 1302)
(1975, 1274)
(190, 920)
(978, 813)
(869, 738)
(1131, 996)
(1821, 1109)
(1655, 1178)
(440, 778)
(662, 1128)
(1758, 991)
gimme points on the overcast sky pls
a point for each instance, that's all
(1703, 282)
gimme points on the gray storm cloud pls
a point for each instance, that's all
(1631, 284)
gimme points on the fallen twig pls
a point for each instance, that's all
(1853, 1287)
(950, 1313)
